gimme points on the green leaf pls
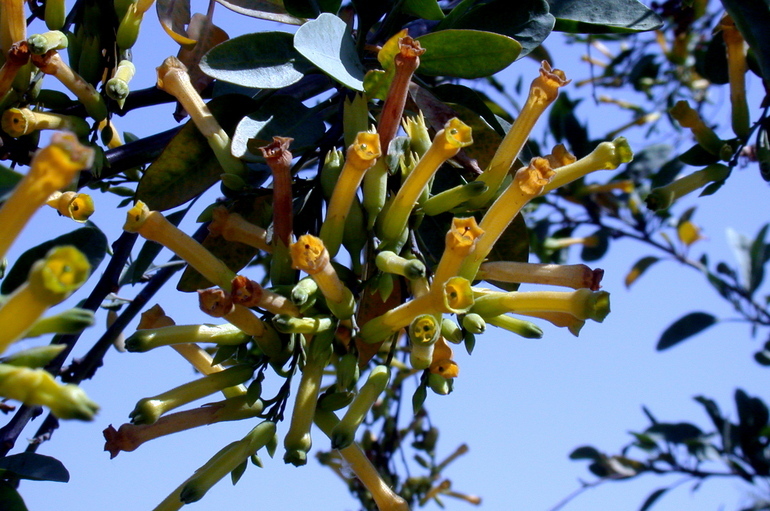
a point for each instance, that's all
(418, 398)
(271, 10)
(8, 180)
(585, 452)
(89, 239)
(711, 63)
(327, 43)
(712, 409)
(425, 9)
(564, 124)
(684, 327)
(758, 258)
(697, 156)
(526, 21)
(311, 8)
(652, 498)
(466, 53)
(603, 16)
(187, 166)
(595, 251)
(639, 268)
(10, 498)
(472, 99)
(280, 115)
(36, 467)
(265, 60)
(676, 433)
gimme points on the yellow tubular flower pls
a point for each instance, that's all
(129, 437)
(385, 498)
(664, 196)
(361, 155)
(606, 156)
(689, 118)
(174, 79)
(218, 304)
(457, 297)
(446, 144)
(52, 168)
(582, 303)
(460, 241)
(736, 68)
(233, 227)
(543, 91)
(117, 87)
(152, 225)
(51, 40)
(13, 25)
(575, 276)
(527, 184)
(51, 280)
(23, 121)
(51, 63)
(309, 254)
(36, 387)
(78, 206)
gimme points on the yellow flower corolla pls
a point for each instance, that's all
(77, 206)
(460, 241)
(52, 168)
(543, 91)
(23, 121)
(309, 254)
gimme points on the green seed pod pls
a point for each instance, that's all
(344, 432)
(474, 323)
(55, 14)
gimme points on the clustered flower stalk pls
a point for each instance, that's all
(18, 122)
(221, 464)
(309, 254)
(384, 497)
(174, 79)
(361, 155)
(664, 196)
(233, 227)
(152, 225)
(446, 144)
(52, 168)
(51, 63)
(37, 387)
(542, 93)
(575, 276)
(128, 437)
(77, 206)
(149, 410)
(51, 280)
(737, 66)
(298, 440)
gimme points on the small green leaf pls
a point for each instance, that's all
(10, 498)
(418, 398)
(328, 43)
(89, 239)
(596, 250)
(685, 327)
(265, 60)
(697, 156)
(36, 467)
(711, 63)
(585, 452)
(254, 391)
(652, 498)
(639, 268)
(425, 9)
(236, 474)
(603, 16)
(758, 258)
(466, 53)
(311, 8)
(271, 10)
(676, 433)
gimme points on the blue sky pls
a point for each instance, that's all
(521, 405)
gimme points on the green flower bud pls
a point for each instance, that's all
(151, 338)
(70, 321)
(440, 385)
(450, 199)
(663, 197)
(390, 262)
(33, 358)
(526, 329)
(307, 325)
(474, 323)
(451, 331)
